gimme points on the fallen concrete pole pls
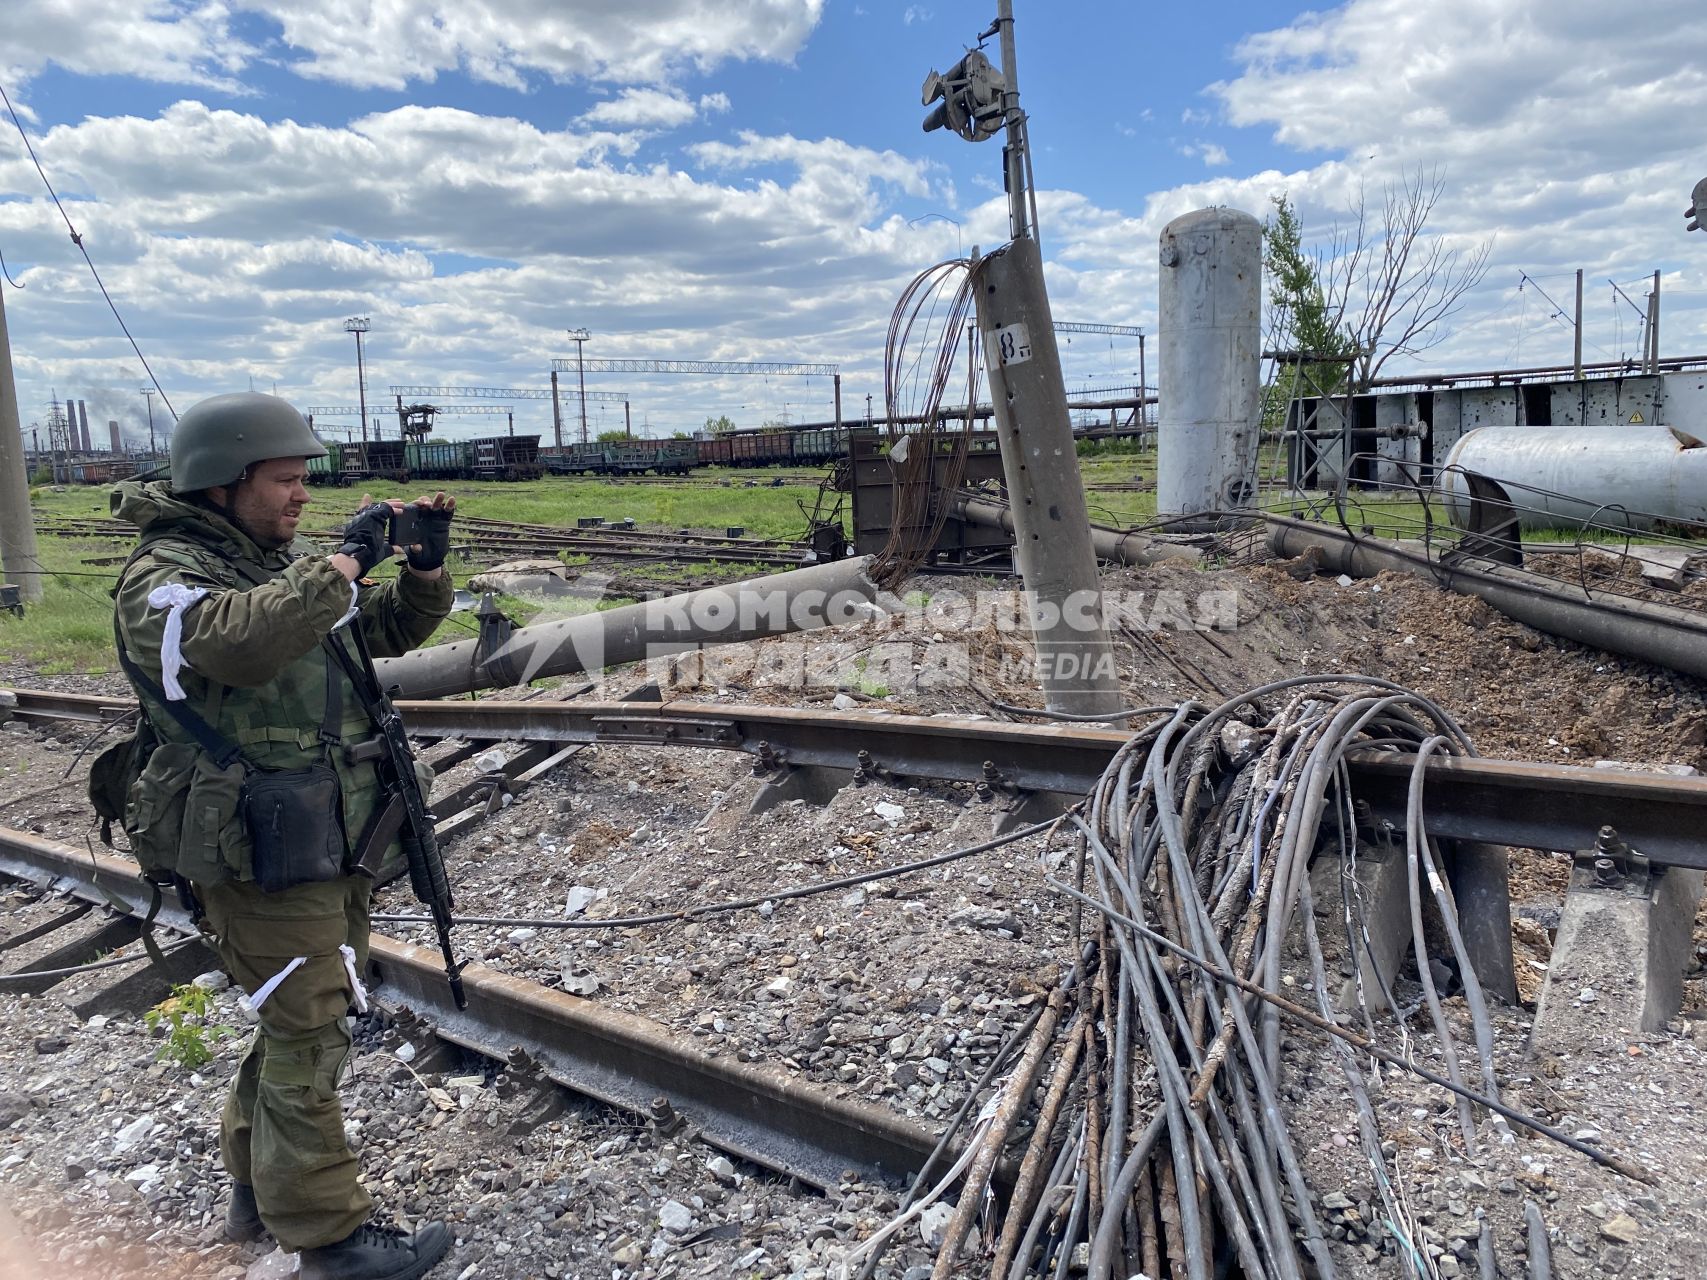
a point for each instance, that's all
(1656, 633)
(1110, 544)
(781, 604)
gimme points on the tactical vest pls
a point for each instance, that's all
(181, 811)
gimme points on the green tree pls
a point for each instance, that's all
(1379, 285)
(721, 425)
(1301, 316)
(618, 436)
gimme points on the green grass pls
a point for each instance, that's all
(71, 629)
(763, 511)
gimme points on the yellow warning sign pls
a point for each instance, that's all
(1637, 417)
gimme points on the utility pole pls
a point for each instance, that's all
(556, 412)
(1577, 364)
(580, 336)
(17, 522)
(838, 385)
(627, 421)
(359, 325)
(1052, 531)
(1143, 393)
(1654, 326)
(148, 395)
(971, 374)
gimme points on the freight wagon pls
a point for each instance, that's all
(761, 448)
(437, 459)
(573, 459)
(506, 458)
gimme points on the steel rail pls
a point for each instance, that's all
(1525, 805)
(758, 1112)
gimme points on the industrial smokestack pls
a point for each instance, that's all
(83, 426)
(113, 431)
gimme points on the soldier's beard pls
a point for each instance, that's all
(263, 522)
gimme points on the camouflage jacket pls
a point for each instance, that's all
(254, 667)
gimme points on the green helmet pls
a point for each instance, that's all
(217, 439)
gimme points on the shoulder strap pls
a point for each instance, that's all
(224, 751)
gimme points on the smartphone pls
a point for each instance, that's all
(405, 526)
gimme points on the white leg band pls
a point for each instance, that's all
(272, 984)
(357, 988)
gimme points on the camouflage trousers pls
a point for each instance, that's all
(283, 1128)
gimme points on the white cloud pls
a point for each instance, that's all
(917, 13)
(642, 109)
(715, 104)
(150, 39)
(1567, 160)
(1213, 154)
(361, 42)
(793, 255)
(391, 43)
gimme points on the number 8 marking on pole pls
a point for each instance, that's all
(1013, 344)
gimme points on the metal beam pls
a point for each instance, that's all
(498, 393)
(447, 410)
(471, 410)
(1116, 330)
(1526, 805)
(607, 364)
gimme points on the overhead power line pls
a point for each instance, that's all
(77, 240)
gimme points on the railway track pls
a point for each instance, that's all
(769, 1116)
(750, 1110)
(486, 539)
(1032, 769)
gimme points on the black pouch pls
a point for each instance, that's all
(296, 825)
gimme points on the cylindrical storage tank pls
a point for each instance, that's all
(1562, 477)
(1210, 380)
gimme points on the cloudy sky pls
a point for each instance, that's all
(748, 180)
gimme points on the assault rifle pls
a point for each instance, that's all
(406, 813)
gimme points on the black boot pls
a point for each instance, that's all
(242, 1218)
(378, 1253)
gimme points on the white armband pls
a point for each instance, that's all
(174, 597)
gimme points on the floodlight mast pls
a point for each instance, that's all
(977, 102)
(359, 325)
(1052, 533)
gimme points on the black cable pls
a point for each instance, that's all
(30, 974)
(77, 240)
(720, 908)
(1075, 717)
(8, 274)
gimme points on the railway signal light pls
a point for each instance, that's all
(971, 92)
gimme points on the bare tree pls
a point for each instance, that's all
(1389, 286)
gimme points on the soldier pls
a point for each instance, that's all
(224, 621)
